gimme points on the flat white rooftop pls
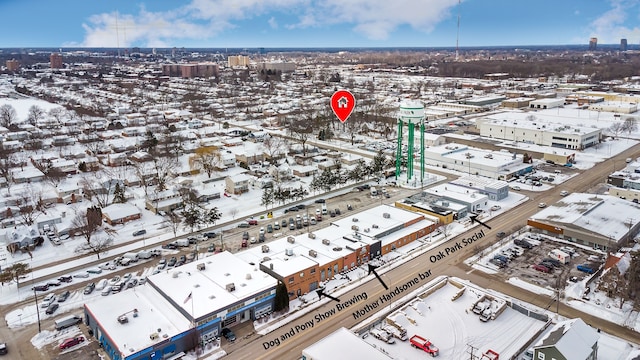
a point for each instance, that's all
(209, 285)
(333, 347)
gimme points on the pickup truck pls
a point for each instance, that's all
(423, 344)
(382, 335)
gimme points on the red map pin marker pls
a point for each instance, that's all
(343, 103)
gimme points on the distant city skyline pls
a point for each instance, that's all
(315, 23)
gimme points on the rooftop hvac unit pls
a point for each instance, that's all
(354, 219)
(386, 215)
(271, 266)
(265, 249)
(326, 241)
(337, 248)
(367, 230)
(289, 252)
(313, 253)
(231, 287)
(175, 274)
(248, 276)
(375, 226)
(356, 235)
(154, 336)
(312, 236)
(355, 227)
(266, 258)
(291, 239)
(200, 266)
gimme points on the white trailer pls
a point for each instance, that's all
(133, 257)
(144, 254)
(182, 242)
(560, 255)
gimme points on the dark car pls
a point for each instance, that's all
(170, 246)
(139, 232)
(209, 234)
(301, 206)
(349, 207)
(3, 349)
(501, 234)
(52, 308)
(65, 279)
(89, 288)
(245, 235)
(54, 283)
(172, 261)
(228, 334)
(337, 211)
(243, 225)
(283, 223)
(41, 287)
(67, 343)
(523, 243)
(320, 201)
(332, 213)
(211, 248)
(294, 208)
(182, 258)
(555, 262)
(261, 238)
(541, 268)
(64, 296)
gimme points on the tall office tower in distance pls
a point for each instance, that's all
(56, 60)
(593, 43)
(623, 44)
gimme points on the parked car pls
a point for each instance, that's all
(94, 271)
(320, 201)
(269, 228)
(48, 300)
(276, 226)
(52, 308)
(228, 334)
(501, 234)
(211, 248)
(44, 287)
(252, 222)
(337, 211)
(3, 349)
(139, 232)
(541, 268)
(67, 343)
(523, 243)
(65, 279)
(243, 225)
(172, 261)
(89, 288)
(64, 296)
(564, 193)
(542, 205)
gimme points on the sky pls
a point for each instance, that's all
(315, 23)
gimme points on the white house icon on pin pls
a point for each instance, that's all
(343, 102)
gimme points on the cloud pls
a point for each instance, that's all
(612, 25)
(205, 19)
(273, 23)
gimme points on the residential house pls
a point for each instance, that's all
(115, 214)
(568, 340)
(237, 184)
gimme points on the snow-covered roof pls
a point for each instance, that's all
(605, 215)
(374, 219)
(208, 285)
(120, 211)
(332, 347)
(572, 338)
(154, 315)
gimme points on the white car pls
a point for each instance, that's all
(564, 193)
(48, 300)
(542, 205)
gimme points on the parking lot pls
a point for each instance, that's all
(541, 260)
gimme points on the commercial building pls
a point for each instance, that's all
(56, 61)
(593, 43)
(332, 347)
(13, 65)
(597, 221)
(181, 308)
(196, 70)
(238, 60)
(529, 128)
(500, 165)
(276, 66)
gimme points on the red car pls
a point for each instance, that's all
(252, 222)
(67, 343)
(542, 268)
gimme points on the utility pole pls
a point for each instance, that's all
(472, 352)
(37, 309)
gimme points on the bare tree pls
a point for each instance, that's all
(207, 159)
(233, 212)
(35, 113)
(174, 222)
(163, 167)
(14, 272)
(31, 206)
(94, 191)
(8, 115)
(630, 125)
(301, 129)
(274, 146)
(99, 245)
(616, 128)
(87, 224)
(446, 230)
(57, 113)
(6, 165)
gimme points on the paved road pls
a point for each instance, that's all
(292, 346)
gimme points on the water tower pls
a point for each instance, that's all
(411, 113)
